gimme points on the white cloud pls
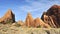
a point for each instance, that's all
(37, 7)
(28, 8)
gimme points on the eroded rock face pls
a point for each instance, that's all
(39, 22)
(29, 20)
(52, 16)
(8, 17)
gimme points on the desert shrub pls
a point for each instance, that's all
(31, 32)
(39, 26)
(8, 22)
(17, 25)
(47, 31)
(4, 29)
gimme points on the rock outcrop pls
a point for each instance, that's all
(39, 23)
(29, 20)
(52, 16)
(8, 17)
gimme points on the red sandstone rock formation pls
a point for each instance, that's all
(8, 17)
(39, 22)
(52, 16)
(29, 20)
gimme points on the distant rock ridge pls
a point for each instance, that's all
(8, 17)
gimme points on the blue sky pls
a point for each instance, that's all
(21, 7)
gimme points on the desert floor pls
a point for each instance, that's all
(9, 29)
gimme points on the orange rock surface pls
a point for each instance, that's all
(29, 20)
(8, 17)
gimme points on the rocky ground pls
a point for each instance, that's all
(9, 29)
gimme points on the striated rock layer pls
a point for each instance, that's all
(52, 16)
(38, 22)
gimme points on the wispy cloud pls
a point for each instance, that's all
(37, 7)
(28, 8)
(21, 7)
